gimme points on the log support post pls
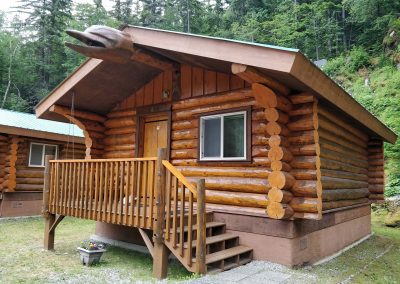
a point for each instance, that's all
(160, 251)
(201, 228)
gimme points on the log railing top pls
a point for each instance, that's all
(105, 160)
(180, 177)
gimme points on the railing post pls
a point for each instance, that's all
(49, 218)
(160, 259)
(201, 228)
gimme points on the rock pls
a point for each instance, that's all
(393, 218)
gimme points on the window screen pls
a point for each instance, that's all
(38, 153)
(223, 137)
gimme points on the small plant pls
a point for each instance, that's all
(92, 245)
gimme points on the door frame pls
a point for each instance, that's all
(150, 114)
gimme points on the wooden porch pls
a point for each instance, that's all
(145, 193)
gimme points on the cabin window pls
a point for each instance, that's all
(38, 152)
(223, 136)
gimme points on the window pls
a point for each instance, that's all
(38, 152)
(223, 136)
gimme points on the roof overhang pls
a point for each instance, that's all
(40, 134)
(112, 82)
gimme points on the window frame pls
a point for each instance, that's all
(43, 154)
(246, 141)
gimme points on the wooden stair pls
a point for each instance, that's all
(223, 251)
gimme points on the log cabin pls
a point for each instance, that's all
(215, 150)
(24, 142)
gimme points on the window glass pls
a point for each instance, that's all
(234, 136)
(36, 155)
(212, 137)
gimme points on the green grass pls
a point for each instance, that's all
(23, 260)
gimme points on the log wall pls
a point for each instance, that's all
(344, 161)
(3, 154)
(17, 175)
(376, 174)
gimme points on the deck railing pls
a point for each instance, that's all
(116, 191)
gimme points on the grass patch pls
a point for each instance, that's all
(23, 259)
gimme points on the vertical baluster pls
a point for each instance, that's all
(190, 225)
(144, 191)
(115, 192)
(96, 191)
(101, 193)
(70, 182)
(127, 193)
(151, 193)
(79, 201)
(121, 191)
(168, 206)
(86, 188)
(57, 189)
(175, 212)
(139, 193)
(62, 191)
(103, 207)
(77, 172)
(132, 193)
(111, 193)
(182, 220)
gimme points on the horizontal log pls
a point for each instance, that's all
(30, 180)
(280, 154)
(273, 114)
(331, 155)
(190, 113)
(304, 204)
(373, 150)
(332, 146)
(278, 210)
(184, 162)
(267, 98)
(221, 98)
(304, 162)
(306, 188)
(184, 144)
(184, 154)
(344, 194)
(259, 151)
(120, 147)
(380, 175)
(301, 98)
(324, 112)
(277, 195)
(335, 165)
(119, 155)
(375, 142)
(185, 134)
(376, 197)
(304, 150)
(236, 184)
(244, 172)
(378, 156)
(29, 187)
(31, 173)
(376, 188)
(344, 175)
(258, 140)
(78, 113)
(258, 114)
(334, 183)
(343, 203)
(119, 139)
(121, 113)
(259, 127)
(236, 198)
(281, 180)
(302, 123)
(340, 141)
(377, 162)
(301, 138)
(304, 174)
(301, 109)
(93, 126)
(185, 124)
(120, 122)
(376, 180)
(120, 130)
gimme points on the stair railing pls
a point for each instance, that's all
(176, 215)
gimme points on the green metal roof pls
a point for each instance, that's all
(29, 121)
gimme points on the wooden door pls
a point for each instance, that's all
(155, 136)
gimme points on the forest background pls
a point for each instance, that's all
(357, 42)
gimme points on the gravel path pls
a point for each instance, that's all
(257, 272)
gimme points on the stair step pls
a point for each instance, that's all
(208, 225)
(214, 270)
(226, 253)
(214, 239)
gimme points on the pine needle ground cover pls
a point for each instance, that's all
(22, 259)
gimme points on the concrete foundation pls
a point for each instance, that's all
(15, 204)
(288, 242)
